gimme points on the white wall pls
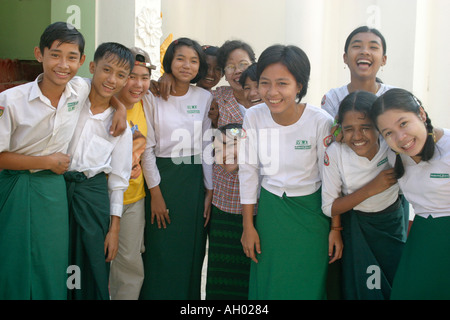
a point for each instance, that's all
(416, 32)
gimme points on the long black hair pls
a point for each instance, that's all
(400, 99)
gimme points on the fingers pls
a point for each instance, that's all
(161, 218)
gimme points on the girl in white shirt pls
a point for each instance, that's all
(422, 166)
(364, 54)
(179, 178)
(285, 144)
(360, 187)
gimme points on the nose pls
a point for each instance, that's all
(357, 134)
(63, 62)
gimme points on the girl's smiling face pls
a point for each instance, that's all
(405, 132)
(359, 134)
(213, 75)
(365, 55)
(185, 64)
(278, 88)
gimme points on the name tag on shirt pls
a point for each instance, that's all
(439, 176)
(192, 110)
(71, 105)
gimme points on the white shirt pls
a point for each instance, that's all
(426, 185)
(333, 98)
(178, 127)
(30, 125)
(94, 150)
(289, 158)
(345, 172)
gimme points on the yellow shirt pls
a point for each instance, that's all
(138, 125)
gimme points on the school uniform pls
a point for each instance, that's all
(423, 268)
(332, 99)
(292, 228)
(96, 180)
(33, 205)
(127, 269)
(178, 158)
(374, 231)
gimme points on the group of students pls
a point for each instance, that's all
(127, 186)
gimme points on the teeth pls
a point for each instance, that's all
(111, 88)
(62, 73)
(409, 144)
(363, 61)
(275, 101)
(256, 100)
(359, 144)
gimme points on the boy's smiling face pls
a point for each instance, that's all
(109, 76)
(60, 62)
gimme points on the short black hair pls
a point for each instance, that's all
(229, 46)
(295, 60)
(122, 53)
(250, 72)
(364, 29)
(170, 53)
(62, 32)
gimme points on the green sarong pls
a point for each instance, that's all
(373, 244)
(34, 235)
(294, 248)
(423, 271)
(228, 267)
(173, 257)
(88, 201)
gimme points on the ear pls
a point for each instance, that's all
(383, 61)
(38, 54)
(299, 88)
(422, 114)
(92, 67)
(82, 59)
(345, 57)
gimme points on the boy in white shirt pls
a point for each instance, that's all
(98, 174)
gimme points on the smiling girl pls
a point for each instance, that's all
(364, 54)
(360, 185)
(285, 144)
(422, 167)
(179, 178)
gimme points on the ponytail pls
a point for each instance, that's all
(430, 144)
(399, 169)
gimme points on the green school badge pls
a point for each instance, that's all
(439, 176)
(2, 109)
(302, 145)
(192, 109)
(71, 105)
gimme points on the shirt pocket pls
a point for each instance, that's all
(98, 151)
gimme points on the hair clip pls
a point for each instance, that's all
(176, 42)
(433, 135)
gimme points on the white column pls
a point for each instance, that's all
(148, 30)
